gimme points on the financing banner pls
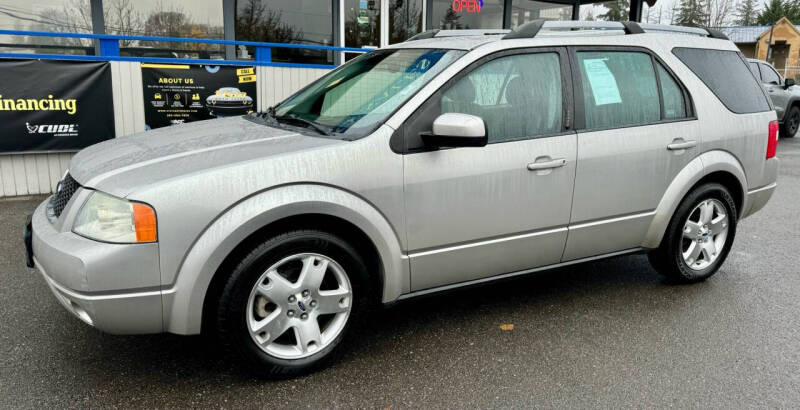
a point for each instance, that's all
(179, 93)
(53, 105)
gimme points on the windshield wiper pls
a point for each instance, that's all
(297, 120)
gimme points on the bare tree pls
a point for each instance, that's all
(73, 17)
(121, 18)
(719, 12)
(256, 23)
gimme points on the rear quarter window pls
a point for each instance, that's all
(728, 77)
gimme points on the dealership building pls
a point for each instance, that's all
(233, 33)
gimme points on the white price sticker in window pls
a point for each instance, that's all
(604, 85)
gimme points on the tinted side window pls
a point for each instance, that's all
(619, 89)
(518, 96)
(769, 75)
(754, 69)
(726, 74)
(672, 94)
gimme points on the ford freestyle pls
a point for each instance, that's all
(455, 158)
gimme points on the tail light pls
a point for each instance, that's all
(772, 139)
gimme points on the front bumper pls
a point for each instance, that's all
(113, 287)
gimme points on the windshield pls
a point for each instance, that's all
(353, 100)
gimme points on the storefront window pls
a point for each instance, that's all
(63, 16)
(467, 14)
(174, 18)
(286, 21)
(362, 23)
(523, 11)
(405, 19)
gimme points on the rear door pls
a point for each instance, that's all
(636, 132)
(479, 212)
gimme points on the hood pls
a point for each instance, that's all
(119, 165)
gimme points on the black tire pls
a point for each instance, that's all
(668, 259)
(230, 321)
(791, 123)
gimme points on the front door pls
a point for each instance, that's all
(635, 134)
(479, 212)
(774, 86)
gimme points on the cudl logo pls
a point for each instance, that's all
(52, 128)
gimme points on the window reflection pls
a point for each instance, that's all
(523, 11)
(362, 23)
(405, 19)
(286, 21)
(61, 16)
(174, 18)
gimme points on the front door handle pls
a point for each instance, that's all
(539, 166)
(675, 146)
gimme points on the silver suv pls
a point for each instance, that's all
(453, 159)
(784, 95)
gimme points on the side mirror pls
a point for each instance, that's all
(788, 82)
(456, 130)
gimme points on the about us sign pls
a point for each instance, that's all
(179, 93)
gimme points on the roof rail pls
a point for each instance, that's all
(424, 35)
(531, 29)
(458, 33)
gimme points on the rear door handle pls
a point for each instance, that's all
(682, 145)
(538, 166)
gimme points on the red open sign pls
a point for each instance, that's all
(470, 6)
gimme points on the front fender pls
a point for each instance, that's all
(693, 172)
(183, 303)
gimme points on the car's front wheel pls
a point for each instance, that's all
(792, 123)
(290, 302)
(699, 236)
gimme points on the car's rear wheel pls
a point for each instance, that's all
(699, 236)
(792, 123)
(290, 302)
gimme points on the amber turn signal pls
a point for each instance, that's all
(144, 219)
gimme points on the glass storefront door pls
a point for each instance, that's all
(378, 23)
(405, 19)
(362, 23)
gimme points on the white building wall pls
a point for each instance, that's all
(29, 174)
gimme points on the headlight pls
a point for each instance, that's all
(110, 219)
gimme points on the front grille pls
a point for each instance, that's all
(64, 191)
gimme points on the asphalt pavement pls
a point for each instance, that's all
(605, 334)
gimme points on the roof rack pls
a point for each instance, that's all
(458, 33)
(531, 29)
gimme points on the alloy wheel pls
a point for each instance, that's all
(299, 306)
(704, 234)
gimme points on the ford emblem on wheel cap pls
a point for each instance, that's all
(301, 306)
